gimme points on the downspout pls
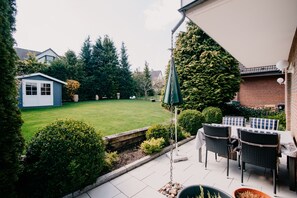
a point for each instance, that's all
(174, 29)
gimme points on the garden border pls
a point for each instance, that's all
(118, 172)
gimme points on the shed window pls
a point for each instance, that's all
(31, 88)
(45, 89)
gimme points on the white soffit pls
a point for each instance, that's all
(255, 32)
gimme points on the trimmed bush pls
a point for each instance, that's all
(152, 145)
(63, 157)
(158, 131)
(212, 115)
(191, 121)
(180, 133)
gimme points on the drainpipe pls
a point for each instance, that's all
(174, 29)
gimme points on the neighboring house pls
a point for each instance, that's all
(157, 81)
(259, 87)
(36, 90)
(266, 35)
(46, 56)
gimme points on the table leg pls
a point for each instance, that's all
(200, 155)
(292, 174)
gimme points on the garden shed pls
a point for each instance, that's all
(37, 90)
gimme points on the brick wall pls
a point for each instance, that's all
(293, 88)
(261, 91)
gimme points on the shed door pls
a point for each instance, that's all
(37, 93)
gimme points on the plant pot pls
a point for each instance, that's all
(195, 190)
(75, 98)
(249, 192)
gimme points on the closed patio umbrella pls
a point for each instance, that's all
(173, 97)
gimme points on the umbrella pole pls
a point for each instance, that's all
(175, 123)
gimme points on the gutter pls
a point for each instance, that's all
(191, 5)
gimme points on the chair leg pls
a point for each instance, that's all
(274, 181)
(242, 173)
(216, 157)
(239, 161)
(206, 159)
(228, 164)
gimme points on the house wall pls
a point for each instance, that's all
(41, 56)
(261, 91)
(292, 90)
(57, 91)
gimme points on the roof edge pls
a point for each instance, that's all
(41, 74)
(191, 5)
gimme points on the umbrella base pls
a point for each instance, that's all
(177, 156)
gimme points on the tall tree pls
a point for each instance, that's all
(125, 75)
(106, 65)
(11, 141)
(86, 56)
(209, 76)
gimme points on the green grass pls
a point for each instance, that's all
(107, 116)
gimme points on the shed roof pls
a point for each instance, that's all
(43, 75)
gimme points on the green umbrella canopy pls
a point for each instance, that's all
(172, 95)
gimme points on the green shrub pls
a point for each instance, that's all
(152, 145)
(282, 120)
(63, 157)
(180, 133)
(158, 131)
(110, 159)
(191, 121)
(212, 115)
(247, 112)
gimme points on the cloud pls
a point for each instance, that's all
(161, 13)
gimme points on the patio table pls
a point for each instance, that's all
(287, 147)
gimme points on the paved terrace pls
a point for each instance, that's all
(146, 180)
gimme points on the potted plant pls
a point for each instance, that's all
(202, 191)
(249, 193)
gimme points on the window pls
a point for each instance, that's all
(45, 89)
(31, 88)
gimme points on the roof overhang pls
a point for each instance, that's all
(43, 75)
(255, 32)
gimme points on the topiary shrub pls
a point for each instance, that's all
(152, 145)
(158, 131)
(191, 121)
(212, 115)
(63, 157)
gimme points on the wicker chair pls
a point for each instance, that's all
(260, 149)
(234, 121)
(217, 140)
(264, 123)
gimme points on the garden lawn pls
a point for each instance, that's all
(107, 116)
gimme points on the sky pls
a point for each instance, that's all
(143, 25)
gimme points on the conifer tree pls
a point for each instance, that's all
(86, 56)
(11, 141)
(125, 75)
(208, 75)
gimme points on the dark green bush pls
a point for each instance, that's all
(282, 120)
(152, 145)
(212, 115)
(191, 121)
(180, 133)
(238, 110)
(158, 131)
(63, 157)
